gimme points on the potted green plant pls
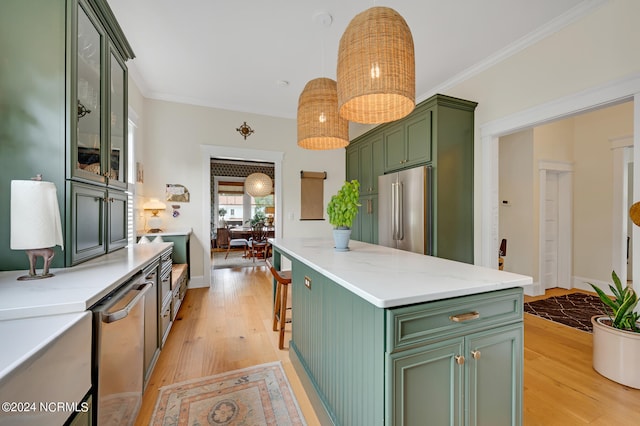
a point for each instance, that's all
(616, 338)
(342, 210)
(222, 212)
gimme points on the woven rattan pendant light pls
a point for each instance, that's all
(376, 68)
(319, 124)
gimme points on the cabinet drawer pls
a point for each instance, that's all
(424, 322)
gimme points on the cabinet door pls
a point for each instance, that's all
(371, 165)
(394, 148)
(86, 161)
(117, 220)
(377, 161)
(369, 219)
(87, 222)
(418, 132)
(426, 385)
(151, 334)
(116, 165)
(353, 171)
(494, 365)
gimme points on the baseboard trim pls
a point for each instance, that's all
(582, 283)
(197, 282)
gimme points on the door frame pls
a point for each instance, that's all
(623, 152)
(565, 222)
(611, 93)
(223, 152)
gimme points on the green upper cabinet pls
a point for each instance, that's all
(408, 142)
(99, 146)
(365, 162)
(64, 115)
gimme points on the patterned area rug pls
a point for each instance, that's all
(574, 309)
(259, 395)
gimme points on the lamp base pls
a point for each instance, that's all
(35, 277)
(47, 256)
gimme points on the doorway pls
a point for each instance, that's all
(213, 151)
(556, 224)
(609, 94)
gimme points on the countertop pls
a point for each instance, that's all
(177, 232)
(388, 277)
(73, 289)
(25, 337)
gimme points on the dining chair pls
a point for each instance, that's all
(258, 241)
(237, 242)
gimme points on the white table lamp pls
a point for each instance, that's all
(154, 222)
(35, 223)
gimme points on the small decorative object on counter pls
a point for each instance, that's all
(342, 210)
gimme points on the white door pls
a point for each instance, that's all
(550, 251)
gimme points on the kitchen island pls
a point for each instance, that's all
(383, 336)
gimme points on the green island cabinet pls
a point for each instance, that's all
(438, 133)
(410, 365)
(63, 114)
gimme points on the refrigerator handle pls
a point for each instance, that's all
(400, 213)
(393, 211)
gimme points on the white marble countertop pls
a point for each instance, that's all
(25, 337)
(388, 277)
(73, 289)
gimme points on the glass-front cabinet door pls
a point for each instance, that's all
(87, 153)
(118, 126)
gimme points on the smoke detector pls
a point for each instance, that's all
(323, 19)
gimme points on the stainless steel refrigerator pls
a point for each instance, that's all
(404, 210)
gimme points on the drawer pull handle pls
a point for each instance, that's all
(476, 354)
(459, 359)
(465, 317)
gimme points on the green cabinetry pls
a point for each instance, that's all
(439, 133)
(365, 163)
(64, 115)
(455, 361)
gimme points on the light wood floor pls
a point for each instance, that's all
(228, 326)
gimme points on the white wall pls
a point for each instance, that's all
(591, 52)
(593, 189)
(174, 134)
(516, 188)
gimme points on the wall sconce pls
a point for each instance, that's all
(245, 130)
(154, 222)
(35, 223)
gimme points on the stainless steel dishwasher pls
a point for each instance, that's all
(119, 353)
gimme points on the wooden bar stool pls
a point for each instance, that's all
(283, 279)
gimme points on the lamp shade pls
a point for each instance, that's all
(376, 68)
(269, 210)
(319, 124)
(154, 204)
(258, 185)
(35, 216)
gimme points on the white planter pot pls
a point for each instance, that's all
(616, 353)
(341, 239)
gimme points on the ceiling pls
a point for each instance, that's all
(238, 54)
